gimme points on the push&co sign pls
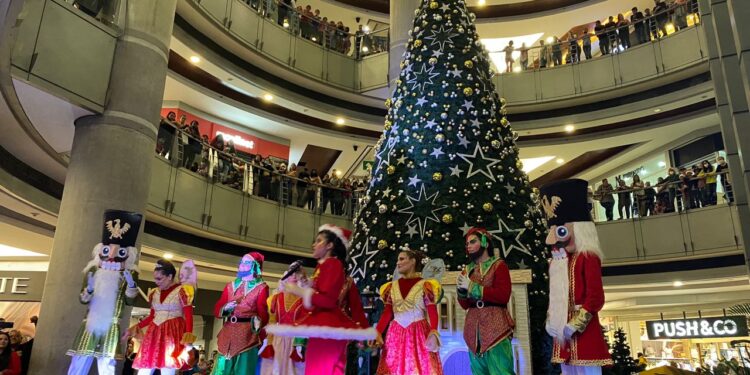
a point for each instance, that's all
(725, 326)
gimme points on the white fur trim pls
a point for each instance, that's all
(131, 292)
(307, 294)
(103, 302)
(322, 332)
(337, 231)
(557, 312)
(587, 238)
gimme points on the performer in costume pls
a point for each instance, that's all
(243, 305)
(169, 325)
(109, 282)
(320, 317)
(484, 291)
(575, 276)
(412, 343)
(283, 355)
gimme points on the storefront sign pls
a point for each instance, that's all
(726, 326)
(21, 286)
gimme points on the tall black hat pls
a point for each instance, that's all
(121, 227)
(565, 201)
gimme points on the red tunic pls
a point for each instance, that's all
(351, 303)
(587, 348)
(491, 323)
(235, 338)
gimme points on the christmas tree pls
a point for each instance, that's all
(448, 161)
(624, 363)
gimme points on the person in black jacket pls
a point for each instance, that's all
(641, 33)
(623, 199)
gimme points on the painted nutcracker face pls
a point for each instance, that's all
(112, 257)
(562, 237)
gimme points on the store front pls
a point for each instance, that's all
(693, 343)
(20, 298)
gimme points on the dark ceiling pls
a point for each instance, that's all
(490, 11)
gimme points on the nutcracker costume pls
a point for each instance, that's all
(411, 311)
(109, 283)
(283, 355)
(169, 325)
(243, 305)
(484, 290)
(575, 275)
(319, 316)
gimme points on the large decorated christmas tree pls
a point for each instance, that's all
(448, 161)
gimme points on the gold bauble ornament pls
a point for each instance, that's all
(388, 125)
(447, 218)
(519, 164)
(440, 137)
(504, 122)
(437, 176)
(432, 60)
(434, 5)
(418, 43)
(391, 169)
(496, 144)
(388, 103)
(469, 64)
(487, 207)
(468, 91)
(382, 244)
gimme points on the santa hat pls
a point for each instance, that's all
(343, 234)
(258, 257)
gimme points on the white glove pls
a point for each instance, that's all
(90, 282)
(551, 330)
(128, 278)
(568, 331)
(229, 307)
(462, 282)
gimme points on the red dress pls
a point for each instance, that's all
(14, 365)
(587, 348)
(170, 318)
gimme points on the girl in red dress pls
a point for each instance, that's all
(169, 326)
(10, 363)
(319, 316)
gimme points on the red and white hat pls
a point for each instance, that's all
(343, 234)
(258, 257)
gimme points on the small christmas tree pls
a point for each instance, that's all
(624, 362)
(448, 161)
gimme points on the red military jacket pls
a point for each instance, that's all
(587, 348)
(488, 321)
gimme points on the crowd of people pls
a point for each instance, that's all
(616, 34)
(682, 189)
(269, 178)
(15, 349)
(309, 24)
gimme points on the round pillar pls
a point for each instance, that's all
(110, 167)
(401, 19)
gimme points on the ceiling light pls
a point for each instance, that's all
(560, 160)
(481, 2)
(657, 110)
(340, 121)
(10, 251)
(268, 97)
(365, 49)
(366, 28)
(662, 164)
(531, 164)
(550, 40)
(338, 173)
(168, 255)
(642, 172)
(195, 59)
(570, 128)
(677, 284)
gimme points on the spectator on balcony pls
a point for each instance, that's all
(253, 3)
(586, 39)
(671, 183)
(611, 28)
(302, 182)
(636, 18)
(639, 193)
(557, 51)
(285, 11)
(573, 48)
(604, 195)
(194, 146)
(509, 57)
(291, 185)
(545, 56)
(325, 193)
(278, 172)
(710, 193)
(347, 41)
(183, 122)
(601, 34)
(722, 171)
(313, 187)
(683, 190)
(662, 195)
(623, 31)
(306, 22)
(346, 196)
(227, 157)
(524, 56)
(266, 168)
(337, 195)
(679, 15)
(624, 202)
(652, 30)
(662, 16)
(358, 42)
(218, 144)
(650, 198)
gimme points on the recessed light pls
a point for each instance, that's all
(340, 121)
(168, 256)
(366, 28)
(481, 2)
(662, 164)
(365, 49)
(268, 97)
(570, 128)
(560, 160)
(195, 59)
(550, 39)
(657, 110)
(338, 173)
(677, 284)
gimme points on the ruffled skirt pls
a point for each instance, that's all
(161, 346)
(405, 353)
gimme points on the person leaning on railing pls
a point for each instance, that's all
(639, 194)
(722, 169)
(313, 189)
(604, 195)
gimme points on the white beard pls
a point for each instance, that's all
(559, 288)
(102, 305)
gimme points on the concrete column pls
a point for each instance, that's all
(402, 20)
(731, 100)
(110, 167)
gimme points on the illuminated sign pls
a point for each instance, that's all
(21, 286)
(726, 326)
(237, 140)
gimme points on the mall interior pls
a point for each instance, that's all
(237, 126)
